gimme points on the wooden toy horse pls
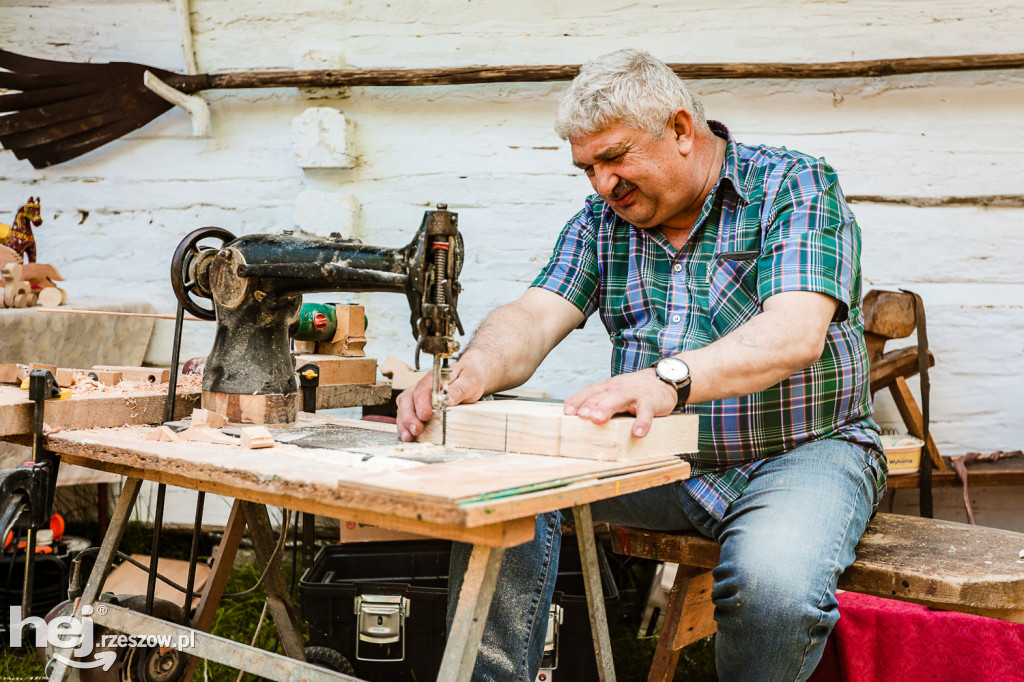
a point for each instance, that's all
(19, 235)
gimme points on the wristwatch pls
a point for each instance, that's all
(676, 374)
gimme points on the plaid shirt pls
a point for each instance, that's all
(776, 221)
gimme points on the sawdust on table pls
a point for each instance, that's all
(83, 385)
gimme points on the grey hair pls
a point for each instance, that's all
(629, 86)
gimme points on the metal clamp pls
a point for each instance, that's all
(380, 620)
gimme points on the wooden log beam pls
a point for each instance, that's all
(870, 68)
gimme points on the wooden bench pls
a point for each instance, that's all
(941, 564)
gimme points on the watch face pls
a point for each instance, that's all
(672, 369)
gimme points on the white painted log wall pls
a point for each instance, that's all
(112, 218)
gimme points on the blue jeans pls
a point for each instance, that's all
(785, 542)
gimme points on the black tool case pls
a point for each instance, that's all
(395, 594)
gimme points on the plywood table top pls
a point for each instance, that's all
(360, 470)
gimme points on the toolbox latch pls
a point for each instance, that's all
(550, 660)
(380, 620)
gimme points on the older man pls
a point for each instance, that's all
(728, 278)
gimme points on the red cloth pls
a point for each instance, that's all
(891, 641)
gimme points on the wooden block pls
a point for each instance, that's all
(205, 434)
(12, 373)
(469, 427)
(164, 433)
(253, 409)
(889, 313)
(153, 375)
(543, 429)
(351, 321)
(65, 377)
(350, 335)
(532, 427)
(106, 377)
(40, 365)
(336, 370)
(201, 417)
(256, 437)
(614, 440)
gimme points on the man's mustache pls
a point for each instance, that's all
(623, 188)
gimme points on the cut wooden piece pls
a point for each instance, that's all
(106, 377)
(40, 365)
(12, 373)
(341, 370)
(543, 429)
(402, 375)
(205, 434)
(153, 375)
(64, 377)
(50, 297)
(253, 409)
(164, 433)
(201, 417)
(256, 437)
(351, 321)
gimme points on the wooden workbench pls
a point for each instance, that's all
(359, 470)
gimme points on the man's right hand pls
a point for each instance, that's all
(414, 405)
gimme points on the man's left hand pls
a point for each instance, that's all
(640, 393)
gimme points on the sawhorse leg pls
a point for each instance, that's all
(478, 589)
(471, 614)
(595, 593)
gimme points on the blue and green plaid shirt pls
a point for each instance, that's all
(776, 221)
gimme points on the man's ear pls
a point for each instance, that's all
(681, 125)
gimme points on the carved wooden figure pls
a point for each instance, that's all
(19, 235)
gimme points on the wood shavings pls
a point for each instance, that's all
(85, 385)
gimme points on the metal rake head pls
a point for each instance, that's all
(63, 110)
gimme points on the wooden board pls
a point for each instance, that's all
(939, 563)
(336, 369)
(90, 410)
(474, 493)
(544, 429)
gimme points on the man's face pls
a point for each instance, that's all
(646, 181)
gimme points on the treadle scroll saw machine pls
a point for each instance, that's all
(256, 284)
(253, 286)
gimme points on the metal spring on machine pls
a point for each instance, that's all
(440, 270)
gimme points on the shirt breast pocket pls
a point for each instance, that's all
(732, 290)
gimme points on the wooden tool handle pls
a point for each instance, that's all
(564, 72)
